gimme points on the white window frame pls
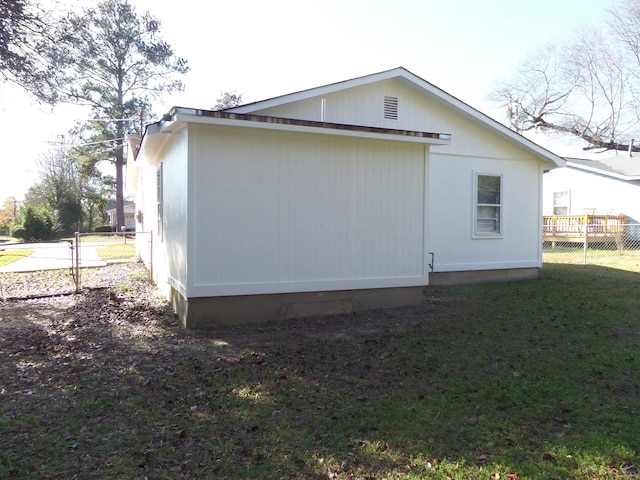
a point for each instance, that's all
(566, 194)
(479, 232)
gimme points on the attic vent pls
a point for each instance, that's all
(391, 108)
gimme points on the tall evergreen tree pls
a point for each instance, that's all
(26, 33)
(113, 60)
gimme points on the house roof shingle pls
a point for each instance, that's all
(618, 166)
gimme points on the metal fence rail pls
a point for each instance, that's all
(618, 247)
(57, 268)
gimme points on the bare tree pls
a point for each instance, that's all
(589, 88)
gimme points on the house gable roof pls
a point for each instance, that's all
(412, 80)
(621, 167)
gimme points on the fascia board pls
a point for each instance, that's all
(181, 117)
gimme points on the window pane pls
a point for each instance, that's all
(488, 219)
(489, 189)
(560, 211)
(561, 203)
(560, 198)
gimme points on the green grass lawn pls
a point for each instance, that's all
(530, 380)
(10, 256)
(117, 251)
(605, 255)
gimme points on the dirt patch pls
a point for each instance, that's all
(121, 303)
(25, 314)
(348, 326)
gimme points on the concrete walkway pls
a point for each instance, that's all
(51, 256)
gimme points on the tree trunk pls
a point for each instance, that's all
(119, 185)
(120, 161)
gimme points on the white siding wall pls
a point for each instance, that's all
(279, 212)
(452, 205)
(588, 190)
(416, 111)
(473, 148)
(169, 261)
(176, 215)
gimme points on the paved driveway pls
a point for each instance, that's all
(51, 256)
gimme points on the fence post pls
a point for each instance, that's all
(151, 256)
(78, 284)
(585, 244)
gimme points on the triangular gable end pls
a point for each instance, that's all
(549, 159)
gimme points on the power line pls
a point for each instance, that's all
(63, 145)
(136, 117)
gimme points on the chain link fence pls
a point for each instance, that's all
(67, 266)
(591, 244)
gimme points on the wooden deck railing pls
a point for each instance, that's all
(581, 228)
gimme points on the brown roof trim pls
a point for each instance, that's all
(308, 123)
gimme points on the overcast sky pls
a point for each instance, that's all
(264, 48)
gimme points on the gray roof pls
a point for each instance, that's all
(618, 166)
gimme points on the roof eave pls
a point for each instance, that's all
(180, 116)
(619, 176)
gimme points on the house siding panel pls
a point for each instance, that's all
(451, 226)
(364, 105)
(174, 206)
(281, 212)
(591, 190)
(169, 262)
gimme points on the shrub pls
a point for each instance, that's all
(104, 228)
(37, 223)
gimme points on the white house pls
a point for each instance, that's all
(344, 197)
(129, 217)
(609, 186)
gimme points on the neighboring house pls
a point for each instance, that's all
(129, 217)
(344, 197)
(608, 186)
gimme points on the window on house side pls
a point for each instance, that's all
(561, 203)
(159, 199)
(488, 205)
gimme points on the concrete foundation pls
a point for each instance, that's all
(203, 312)
(210, 311)
(483, 276)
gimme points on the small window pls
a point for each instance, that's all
(488, 205)
(391, 108)
(561, 203)
(159, 194)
